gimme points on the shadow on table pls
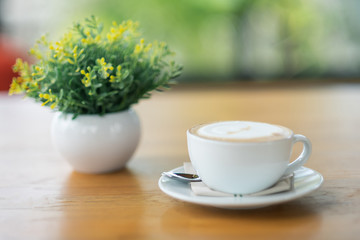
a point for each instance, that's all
(100, 206)
(299, 218)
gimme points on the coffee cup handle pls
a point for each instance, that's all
(304, 156)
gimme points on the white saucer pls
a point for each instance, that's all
(306, 181)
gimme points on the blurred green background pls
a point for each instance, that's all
(218, 40)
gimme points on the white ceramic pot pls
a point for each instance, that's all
(96, 144)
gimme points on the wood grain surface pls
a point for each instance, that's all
(42, 198)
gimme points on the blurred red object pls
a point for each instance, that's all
(8, 54)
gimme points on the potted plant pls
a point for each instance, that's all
(92, 79)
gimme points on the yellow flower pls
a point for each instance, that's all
(148, 47)
(36, 52)
(73, 58)
(59, 50)
(104, 67)
(140, 47)
(49, 97)
(52, 106)
(89, 39)
(38, 73)
(117, 75)
(137, 49)
(112, 79)
(118, 31)
(19, 65)
(15, 87)
(20, 84)
(75, 49)
(88, 76)
(101, 61)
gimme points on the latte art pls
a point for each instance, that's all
(241, 131)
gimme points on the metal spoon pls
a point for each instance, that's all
(182, 177)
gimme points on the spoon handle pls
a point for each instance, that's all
(183, 177)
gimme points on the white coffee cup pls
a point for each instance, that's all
(242, 157)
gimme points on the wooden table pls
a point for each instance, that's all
(42, 198)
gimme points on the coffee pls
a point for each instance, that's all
(241, 131)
